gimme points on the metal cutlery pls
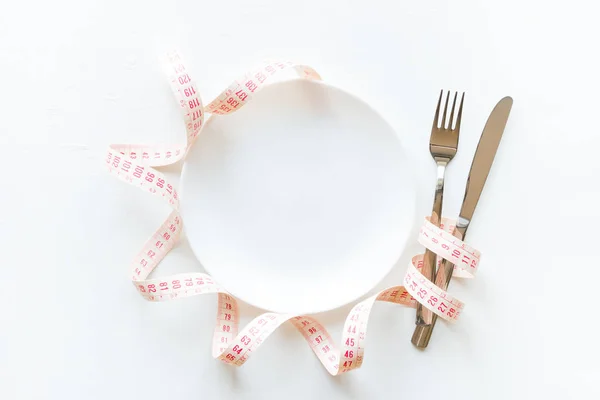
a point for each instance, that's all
(480, 168)
(443, 144)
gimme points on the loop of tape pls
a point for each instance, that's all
(133, 164)
(447, 244)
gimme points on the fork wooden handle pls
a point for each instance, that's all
(423, 332)
(424, 316)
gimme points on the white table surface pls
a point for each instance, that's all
(78, 75)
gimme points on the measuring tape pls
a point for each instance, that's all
(134, 165)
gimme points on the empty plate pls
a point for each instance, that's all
(300, 202)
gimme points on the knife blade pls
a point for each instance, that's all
(482, 161)
(480, 169)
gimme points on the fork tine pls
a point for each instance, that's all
(452, 112)
(459, 116)
(437, 110)
(443, 121)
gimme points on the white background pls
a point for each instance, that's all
(78, 75)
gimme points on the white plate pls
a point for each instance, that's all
(300, 202)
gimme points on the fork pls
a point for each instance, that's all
(443, 144)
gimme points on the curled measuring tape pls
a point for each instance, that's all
(134, 164)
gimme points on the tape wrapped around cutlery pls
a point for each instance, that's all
(134, 164)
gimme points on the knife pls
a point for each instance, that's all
(480, 168)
